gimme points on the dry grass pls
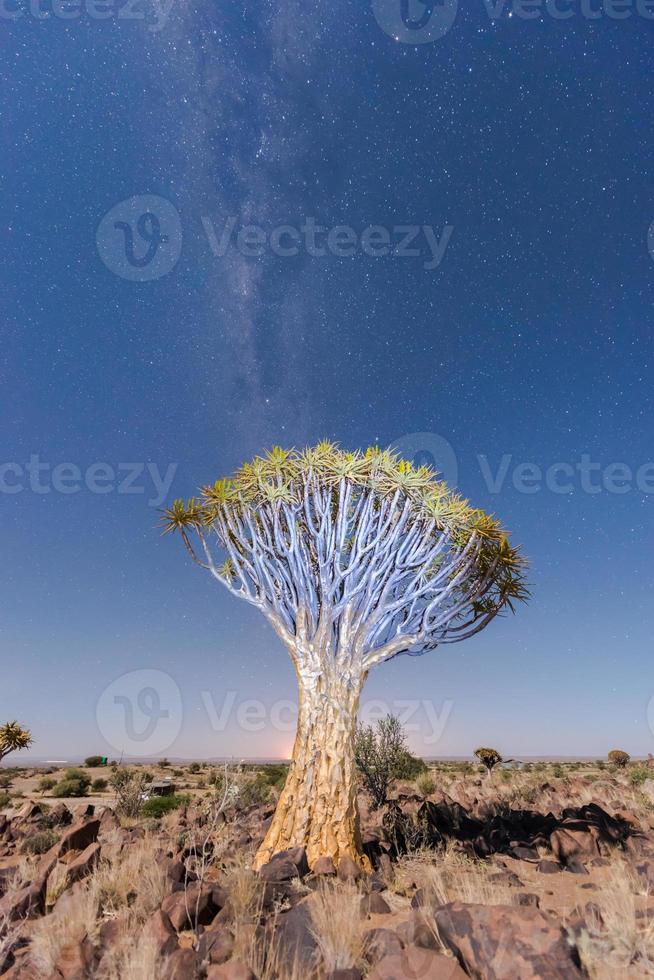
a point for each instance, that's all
(337, 925)
(617, 937)
(65, 926)
(450, 876)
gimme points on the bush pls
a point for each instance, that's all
(47, 783)
(253, 792)
(130, 785)
(93, 761)
(426, 784)
(409, 766)
(638, 776)
(380, 753)
(40, 843)
(275, 775)
(557, 771)
(194, 767)
(159, 806)
(5, 781)
(99, 785)
(4, 800)
(74, 783)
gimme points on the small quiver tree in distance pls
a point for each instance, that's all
(489, 758)
(13, 738)
(354, 558)
(619, 758)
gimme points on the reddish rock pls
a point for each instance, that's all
(415, 931)
(216, 944)
(502, 942)
(374, 904)
(83, 864)
(75, 961)
(378, 943)
(26, 903)
(79, 836)
(351, 973)
(159, 928)
(190, 907)
(548, 867)
(232, 970)
(348, 870)
(324, 866)
(570, 844)
(278, 869)
(180, 965)
(418, 964)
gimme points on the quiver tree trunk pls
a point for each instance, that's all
(317, 809)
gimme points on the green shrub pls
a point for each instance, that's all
(93, 761)
(194, 767)
(47, 783)
(5, 781)
(410, 766)
(158, 806)
(75, 783)
(253, 792)
(40, 843)
(99, 785)
(275, 775)
(4, 800)
(638, 776)
(557, 771)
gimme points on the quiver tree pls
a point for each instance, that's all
(489, 758)
(13, 738)
(354, 558)
(619, 758)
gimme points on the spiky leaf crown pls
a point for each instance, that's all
(280, 476)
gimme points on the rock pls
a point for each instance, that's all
(278, 869)
(159, 928)
(60, 816)
(348, 870)
(26, 903)
(75, 961)
(576, 868)
(324, 866)
(569, 843)
(232, 970)
(79, 836)
(108, 822)
(548, 867)
(216, 944)
(378, 943)
(180, 965)
(294, 931)
(418, 964)
(527, 898)
(416, 931)
(190, 907)
(374, 904)
(83, 864)
(502, 942)
(351, 973)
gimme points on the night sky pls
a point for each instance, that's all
(529, 342)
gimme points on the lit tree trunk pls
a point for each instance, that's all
(317, 809)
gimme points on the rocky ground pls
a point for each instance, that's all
(539, 874)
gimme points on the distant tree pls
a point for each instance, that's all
(619, 758)
(489, 758)
(93, 761)
(13, 738)
(194, 767)
(354, 558)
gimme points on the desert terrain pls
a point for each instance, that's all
(543, 872)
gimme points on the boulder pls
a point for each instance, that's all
(378, 943)
(348, 870)
(26, 903)
(83, 864)
(374, 904)
(232, 970)
(325, 866)
(415, 964)
(502, 942)
(159, 929)
(216, 944)
(79, 836)
(75, 961)
(190, 907)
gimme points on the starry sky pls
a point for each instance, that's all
(530, 342)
